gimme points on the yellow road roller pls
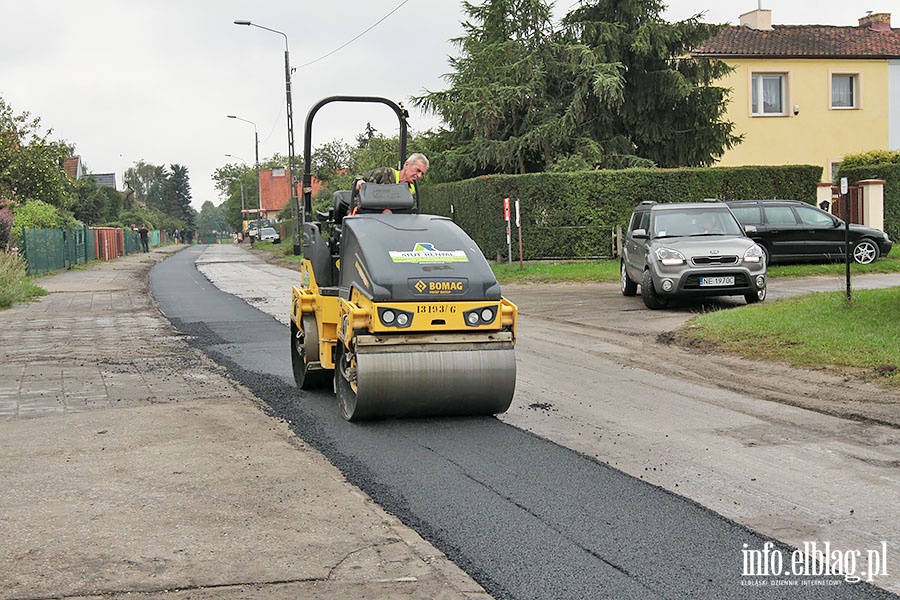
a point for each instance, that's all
(398, 311)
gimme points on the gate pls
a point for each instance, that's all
(856, 204)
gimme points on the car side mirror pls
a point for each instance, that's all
(639, 234)
(749, 228)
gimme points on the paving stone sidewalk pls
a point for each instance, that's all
(131, 465)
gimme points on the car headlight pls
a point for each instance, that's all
(669, 257)
(754, 254)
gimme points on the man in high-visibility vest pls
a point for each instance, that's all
(413, 170)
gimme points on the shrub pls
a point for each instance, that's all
(6, 221)
(15, 285)
(573, 215)
(890, 173)
(872, 157)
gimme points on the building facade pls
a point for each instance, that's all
(809, 94)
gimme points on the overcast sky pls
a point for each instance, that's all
(154, 80)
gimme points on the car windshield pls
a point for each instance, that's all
(695, 222)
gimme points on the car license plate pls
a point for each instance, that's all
(716, 281)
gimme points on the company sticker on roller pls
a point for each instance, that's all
(425, 252)
(438, 287)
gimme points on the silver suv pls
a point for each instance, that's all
(690, 250)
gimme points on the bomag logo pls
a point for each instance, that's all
(440, 286)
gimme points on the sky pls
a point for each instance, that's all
(155, 80)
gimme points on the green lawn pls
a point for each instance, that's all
(608, 270)
(820, 330)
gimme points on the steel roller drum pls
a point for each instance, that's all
(434, 380)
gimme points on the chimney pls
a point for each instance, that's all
(876, 21)
(757, 19)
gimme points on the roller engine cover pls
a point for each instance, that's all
(400, 257)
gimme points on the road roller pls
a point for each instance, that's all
(398, 311)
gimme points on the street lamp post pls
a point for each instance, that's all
(296, 213)
(258, 185)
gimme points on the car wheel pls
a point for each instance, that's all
(629, 287)
(757, 296)
(648, 293)
(866, 252)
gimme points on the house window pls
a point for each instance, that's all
(769, 95)
(844, 91)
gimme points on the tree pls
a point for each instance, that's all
(30, 163)
(96, 204)
(671, 112)
(211, 219)
(177, 199)
(237, 184)
(147, 181)
(332, 158)
(614, 86)
(520, 91)
(163, 191)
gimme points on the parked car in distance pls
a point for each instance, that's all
(688, 250)
(269, 234)
(794, 231)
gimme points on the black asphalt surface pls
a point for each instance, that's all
(526, 518)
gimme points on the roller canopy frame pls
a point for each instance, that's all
(402, 115)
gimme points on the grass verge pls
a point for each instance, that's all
(819, 330)
(15, 285)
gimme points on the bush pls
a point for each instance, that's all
(872, 157)
(15, 285)
(6, 221)
(890, 173)
(574, 215)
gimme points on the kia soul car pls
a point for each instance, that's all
(689, 250)
(794, 231)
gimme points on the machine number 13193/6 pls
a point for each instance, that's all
(436, 308)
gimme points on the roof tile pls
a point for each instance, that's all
(804, 41)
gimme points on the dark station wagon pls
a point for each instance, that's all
(794, 231)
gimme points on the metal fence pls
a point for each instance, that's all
(48, 250)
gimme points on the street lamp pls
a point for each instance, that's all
(241, 181)
(258, 185)
(296, 213)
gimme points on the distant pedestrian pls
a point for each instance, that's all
(177, 236)
(145, 237)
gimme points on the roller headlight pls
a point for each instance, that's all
(484, 315)
(393, 317)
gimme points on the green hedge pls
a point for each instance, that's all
(891, 174)
(574, 215)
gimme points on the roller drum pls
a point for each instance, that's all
(431, 380)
